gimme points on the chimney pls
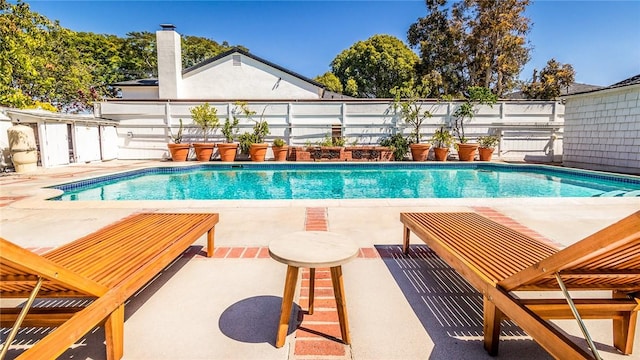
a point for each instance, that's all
(169, 62)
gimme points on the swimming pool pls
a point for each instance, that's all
(349, 181)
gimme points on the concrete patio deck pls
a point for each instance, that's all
(227, 307)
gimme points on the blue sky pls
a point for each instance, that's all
(601, 39)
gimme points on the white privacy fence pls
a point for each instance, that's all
(529, 130)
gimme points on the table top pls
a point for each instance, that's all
(313, 249)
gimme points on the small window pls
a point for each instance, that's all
(236, 60)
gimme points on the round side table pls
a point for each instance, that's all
(312, 249)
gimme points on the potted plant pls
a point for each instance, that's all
(442, 141)
(206, 117)
(178, 150)
(398, 144)
(412, 113)
(280, 149)
(252, 143)
(228, 149)
(487, 146)
(477, 95)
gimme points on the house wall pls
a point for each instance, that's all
(602, 130)
(250, 79)
(530, 131)
(139, 92)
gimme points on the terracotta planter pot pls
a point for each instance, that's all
(257, 152)
(440, 154)
(227, 151)
(467, 152)
(280, 153)
(203, 151)
(485, 154)
(179, 152)
(419, 152)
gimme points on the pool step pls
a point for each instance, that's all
(612, 193)
(616, 193)
(634, 193)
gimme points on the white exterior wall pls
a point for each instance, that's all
(140, 92)
(53, 131)
(602, 130)
(530, 130)
(249, 80)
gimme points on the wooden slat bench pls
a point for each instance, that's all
(497, 260)
(109, 265)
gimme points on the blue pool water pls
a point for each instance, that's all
(349, 181)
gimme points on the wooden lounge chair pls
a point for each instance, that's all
(109, 266)
(497, 260)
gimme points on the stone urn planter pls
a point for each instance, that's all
(22, 146)
(227, 151)
(257, 152)
(179, 152)
(203, 151)
(419, 152)
(280, 153)
(467, 152)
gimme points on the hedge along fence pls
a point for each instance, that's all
(530, 130)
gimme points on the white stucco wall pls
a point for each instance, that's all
(139, 92)
(602, 130)
(249, 80)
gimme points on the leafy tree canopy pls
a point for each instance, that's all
(371, 68)
(471, 43)
(44, 63)
(549, 84)
(331, 81)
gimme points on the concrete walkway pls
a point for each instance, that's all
(227, 307)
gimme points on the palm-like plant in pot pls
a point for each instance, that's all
(252, 143)
(228, 148)
(178, 150)
(442, 141)
(206, 117)
(414, 115)
(476, 95)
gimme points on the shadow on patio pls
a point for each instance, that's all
(450, 310)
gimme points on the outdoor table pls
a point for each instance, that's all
(313, 249)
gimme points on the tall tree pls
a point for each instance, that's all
(549, 84)
(102, 55)
(376, 65)
(196, 49)
(472, 43)
(38, 60)
(139, 58)
(439, 43)
(497, 42)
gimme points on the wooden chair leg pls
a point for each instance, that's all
(312, 289)
(492, 319)
(210, 241)
(341, 304)
(287, 304)
(624, 329)
(114, 334)
(405, 240)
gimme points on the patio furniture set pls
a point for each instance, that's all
(115, 262)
